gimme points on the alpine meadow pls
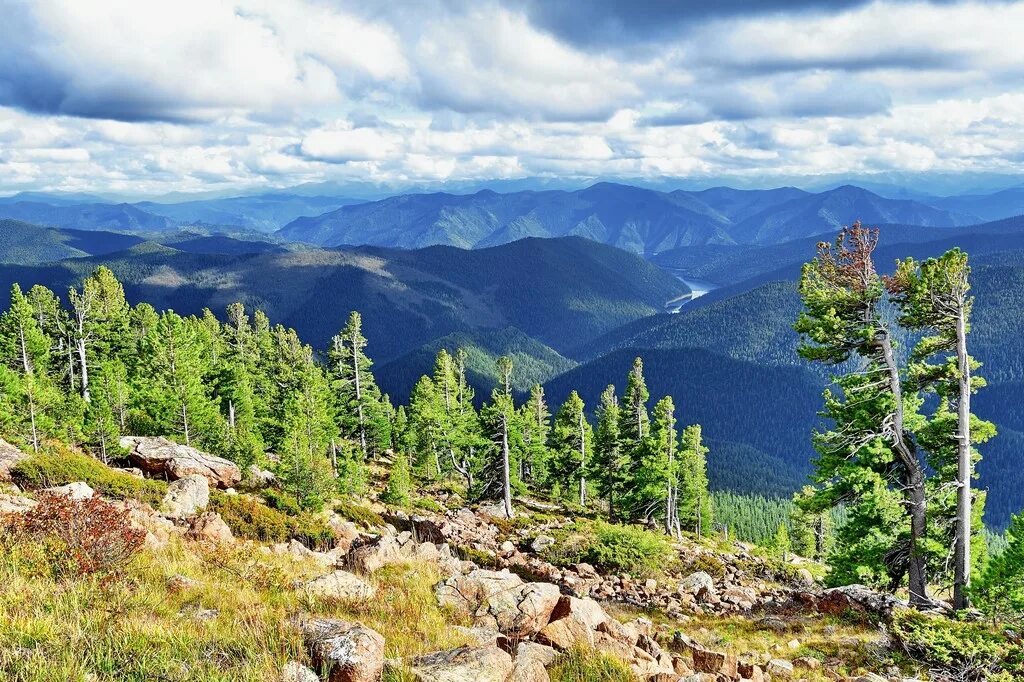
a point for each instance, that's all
(511, 341)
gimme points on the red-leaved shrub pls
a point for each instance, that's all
(82, 537)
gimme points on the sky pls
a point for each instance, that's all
(144, 97)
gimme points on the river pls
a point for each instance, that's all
(697, 289)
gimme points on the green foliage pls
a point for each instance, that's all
(611, 547)
(1000, 587)
(51, 468)
(968, 650)
(359, 514)
(248, 518)
(398, 487)
(587, 665)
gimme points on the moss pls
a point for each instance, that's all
(51, 468)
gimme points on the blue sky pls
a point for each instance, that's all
(197, 95)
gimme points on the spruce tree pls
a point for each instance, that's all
(694, 505)
(572, 445)
(501, 426)
(663, 477)
(304, 469)
(399, 484)
(536, 426)
(360, 414)
(609, 464)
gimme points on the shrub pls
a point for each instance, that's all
(79, 537)
(48, 469)
(397, 490)
(358, 514)
(248, 518)
(965, 650)
(585, 665)
(427, 504)
(610, 547)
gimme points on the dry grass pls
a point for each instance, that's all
(233, 624)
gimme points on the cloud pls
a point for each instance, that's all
(144, 98)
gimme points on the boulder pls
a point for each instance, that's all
(541, 542)
(715, 662)
(804, 577)
(586, 610)
(566, 633)
(346, 531)
(9, 458)
(296, 672)
(186, 496)
(500, 600)
(393, 549)
(15, 504)
(779, 667)
(698, 585)
(341, 585)
(210, 527)
(531, 650)
(256, 479)
(74, 491)
(859, 599)
(465, 664)
(344, 651)
(162, 457)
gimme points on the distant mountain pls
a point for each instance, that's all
(639, 220)
(27, 244)
(817, 213)
(1009, 202)
(116, 217)
(262, 212)
(559, 292)
(533, 362)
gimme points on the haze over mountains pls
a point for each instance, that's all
(572, 283)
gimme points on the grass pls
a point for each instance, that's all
(52, 468)
(586, 665)
(234, 624)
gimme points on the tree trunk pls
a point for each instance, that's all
(914, 479)
(505, 471)
(583, 461)
(184, 422)
(84, 375)
(962, 558)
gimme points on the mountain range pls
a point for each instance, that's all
(573, 284)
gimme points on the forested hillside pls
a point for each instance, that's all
(560, 292)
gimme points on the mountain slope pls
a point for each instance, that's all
(24, 243)
(118, 217)
(817, 213)
(560, 292)
(262, 212)
(1008, 202)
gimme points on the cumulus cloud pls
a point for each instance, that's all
(144, 98)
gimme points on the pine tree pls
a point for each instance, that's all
(812, 527)
(999, 589)
(609, 463)
(399, 484)
(572, 445)
(98, 324)
(695, 507)
(781, 544)
(304, 469)
(536, 425)
(361, 415)
(501, 426)
(871, 453)
(933, 296)
(426, 424)
(663, 475)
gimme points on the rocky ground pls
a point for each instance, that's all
(721, 612)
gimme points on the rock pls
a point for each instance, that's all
(586, 610)
(256, 479)
(859, 599)
(806, 663)
(699, 585)
(181, 583)
(500, 600)
(15, 504)
(299, 551)
(9, 458)
(715, 662)
(159, 456)
(186, 496)
(393, 549)
(779, 667)
(465, 664)
(346, 531)
(345, 651)
(804, 577)
(483, 636)
(545, 654)
(528, 670)
(341, 585)
(750, 671)
(870, 677)
(566, 633)
(541, 542)
(74, 491)
(296, 672)
(210, 527)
